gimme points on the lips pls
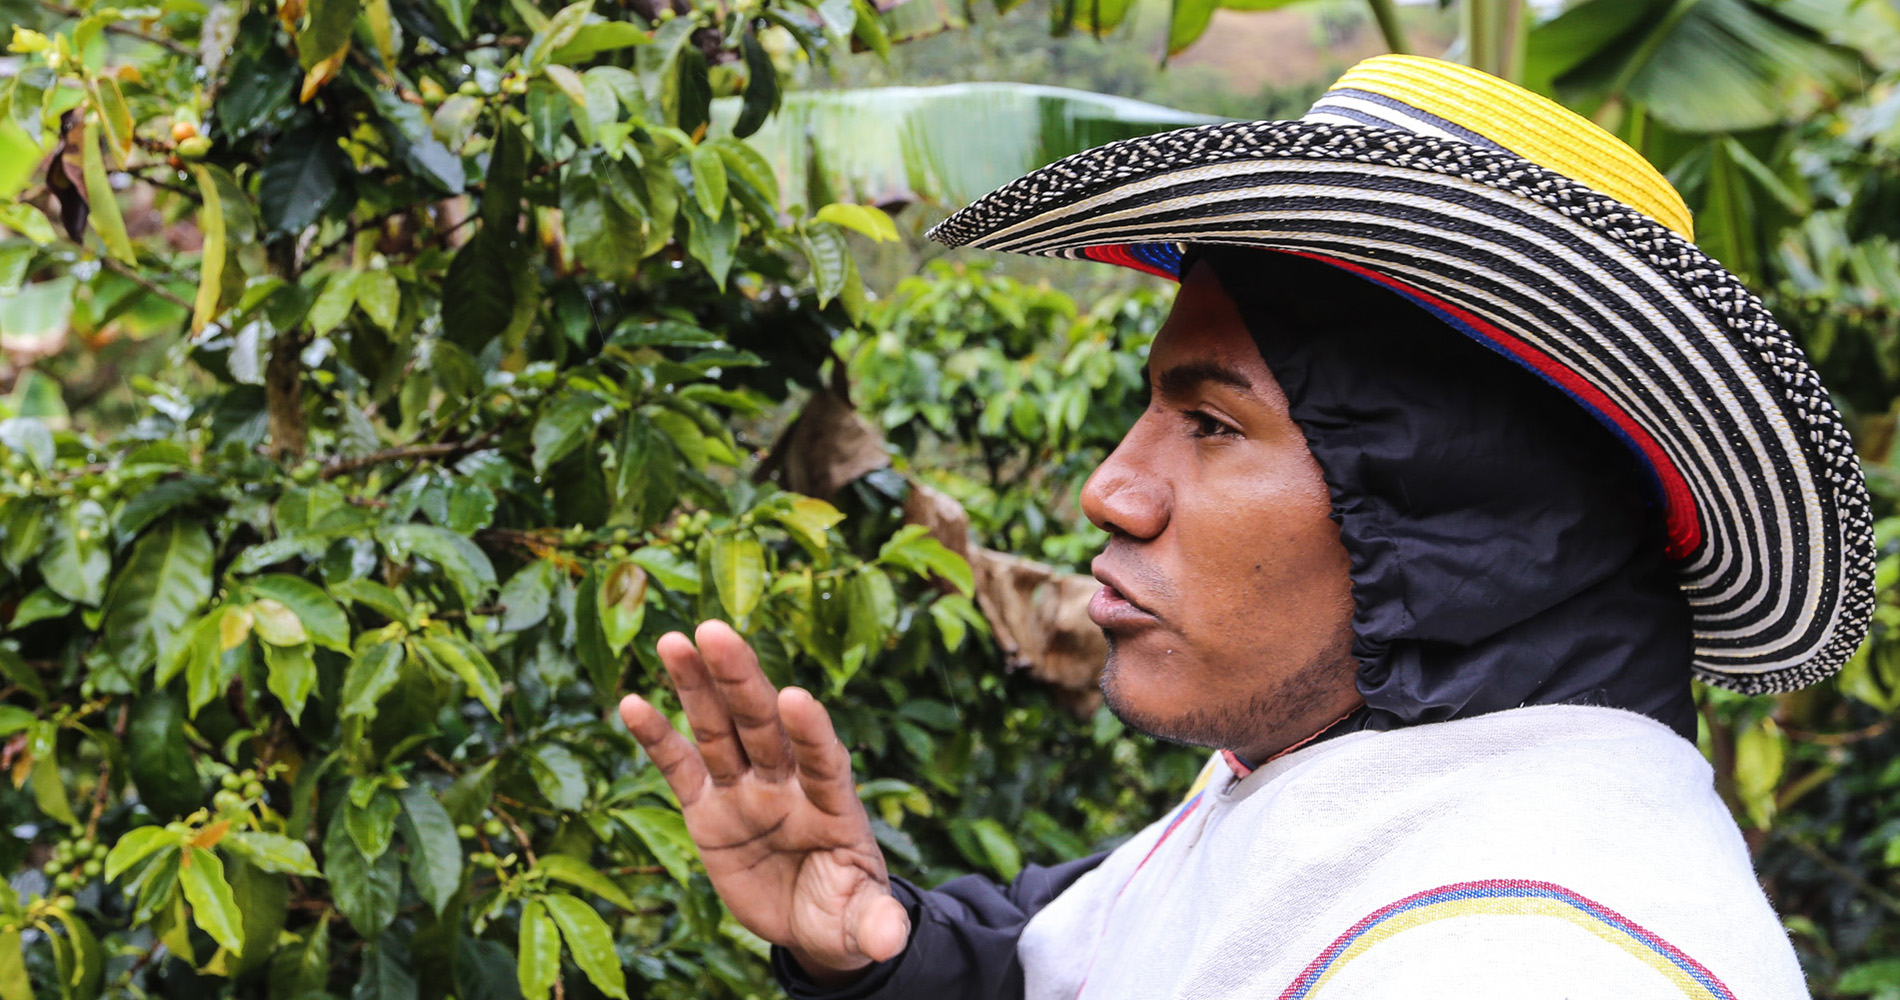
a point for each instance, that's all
(1111, 608)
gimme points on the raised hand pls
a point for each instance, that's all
(768, 798)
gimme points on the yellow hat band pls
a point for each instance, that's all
(1432, 96)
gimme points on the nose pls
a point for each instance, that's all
(1126, 495)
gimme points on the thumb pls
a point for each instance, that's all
(883, 928)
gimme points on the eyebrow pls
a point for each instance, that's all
(1183, 379)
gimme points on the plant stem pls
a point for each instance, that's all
(174, 47)
(113, 265)
(1495, 36)
(1384, 12)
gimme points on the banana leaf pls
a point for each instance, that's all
(939, 146)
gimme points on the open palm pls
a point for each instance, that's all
(768, 798)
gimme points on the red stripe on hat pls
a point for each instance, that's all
(1684, 529)
(1119, 254)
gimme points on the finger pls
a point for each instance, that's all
(883, 928)
(750, 699)
(824, 765)
(679, 763)
(705, 710)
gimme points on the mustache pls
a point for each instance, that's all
(1140, 582)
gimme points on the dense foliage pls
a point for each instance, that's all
(469, 332)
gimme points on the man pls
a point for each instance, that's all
(1438, 616)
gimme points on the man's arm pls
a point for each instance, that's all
(962, 941)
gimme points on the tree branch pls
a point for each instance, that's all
(444, 449)
(113, 265)
(174, 47)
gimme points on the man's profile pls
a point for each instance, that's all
(1460, 462)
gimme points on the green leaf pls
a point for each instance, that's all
(30, 437)
(322, 619)
(539, 951)
(745, 164)
(435, 853)
(809, 520)
(212, 907)
(372, 595)
(870, 610)
(999, 848)
(663, 831)
(277, 624)
(484, 970)
(164, 581)
(365, 891)
(563, 424)
(106, 218)
(459, 658)
(761, 96)
(467, 797)
(913, 548)
(674, 570)
(1760, 758)
(137, 845)
(14, 982)
(334, 303)
(559, 774)
(569, 84)
(326, 31)
(161, 768)
(271, 852)
(263, 900)
(593, 39)
(465, 565)
(621, 599)
(369, 814)
(478, 291)
(589, 941)
(75, 565)
(581, 875)
(77, 956)
(292, 675)
(526, 595)
(561, 29)
(300, 178)
(380, 297)
(297, 970)
(712, 241)
(49, 786)
(738, 564)
(709, 180)
(204, 306)
(866, 219)
(830, 262)
(370, 676)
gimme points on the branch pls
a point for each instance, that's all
(112, 264)
(444, 449)
(174, 47)
(1840, 739)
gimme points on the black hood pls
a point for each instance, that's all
(1505, 550)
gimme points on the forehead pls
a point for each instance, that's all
(1205, 325)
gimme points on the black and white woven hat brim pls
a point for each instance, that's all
(1767, 511)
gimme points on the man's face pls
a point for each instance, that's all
(1226, 599)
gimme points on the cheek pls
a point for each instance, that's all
(1273, 559)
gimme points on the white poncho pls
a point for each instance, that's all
(1550, 851)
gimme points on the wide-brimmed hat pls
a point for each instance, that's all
(1540, 235)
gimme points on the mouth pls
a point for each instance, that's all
(1110, 608)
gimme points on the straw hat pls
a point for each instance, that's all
(1543, 237)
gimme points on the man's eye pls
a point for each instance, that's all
(1206, 426)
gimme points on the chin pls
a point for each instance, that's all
(1129, 689)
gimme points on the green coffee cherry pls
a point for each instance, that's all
(92, 869)
(493, 828)
(253, 790)
(465, 831)
(230, 781)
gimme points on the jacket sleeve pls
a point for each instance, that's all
(962, 940)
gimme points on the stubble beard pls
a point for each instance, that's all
(1230, 726)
